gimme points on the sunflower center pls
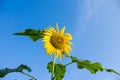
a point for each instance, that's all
(58, 41)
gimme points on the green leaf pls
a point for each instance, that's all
(90, 66)
(22, 67)
(111, 70)
(59, 71)
(31, 33)
(4, 72)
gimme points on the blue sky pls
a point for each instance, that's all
(94, 25)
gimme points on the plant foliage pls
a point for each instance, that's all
(59, 72)
(90, 66)
(31, 33)
(20, 68)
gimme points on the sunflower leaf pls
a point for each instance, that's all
(31, 33)
(23, 67)
(20, 68)
(90, 66)
(113, 71)
(59, 70)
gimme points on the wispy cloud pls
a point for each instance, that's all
(90, 7)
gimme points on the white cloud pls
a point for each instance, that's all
(89, 8)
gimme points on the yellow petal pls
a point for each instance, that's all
(66, 51)
(69, 48)
(48, 51)
(61, 55)
(68, 36)
(68, 43)
(57, 27)
(62, 30)
(48, 33)
(52, 29)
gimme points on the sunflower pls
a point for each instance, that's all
(57, 42)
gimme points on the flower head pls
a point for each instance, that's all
(57, 42)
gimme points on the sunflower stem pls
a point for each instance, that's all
(52, 75)
(68, 63)
(29, 75)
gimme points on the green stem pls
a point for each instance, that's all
(68, 63)
(28, 75)
(52, 75)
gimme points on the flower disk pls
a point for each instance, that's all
(57, 42)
